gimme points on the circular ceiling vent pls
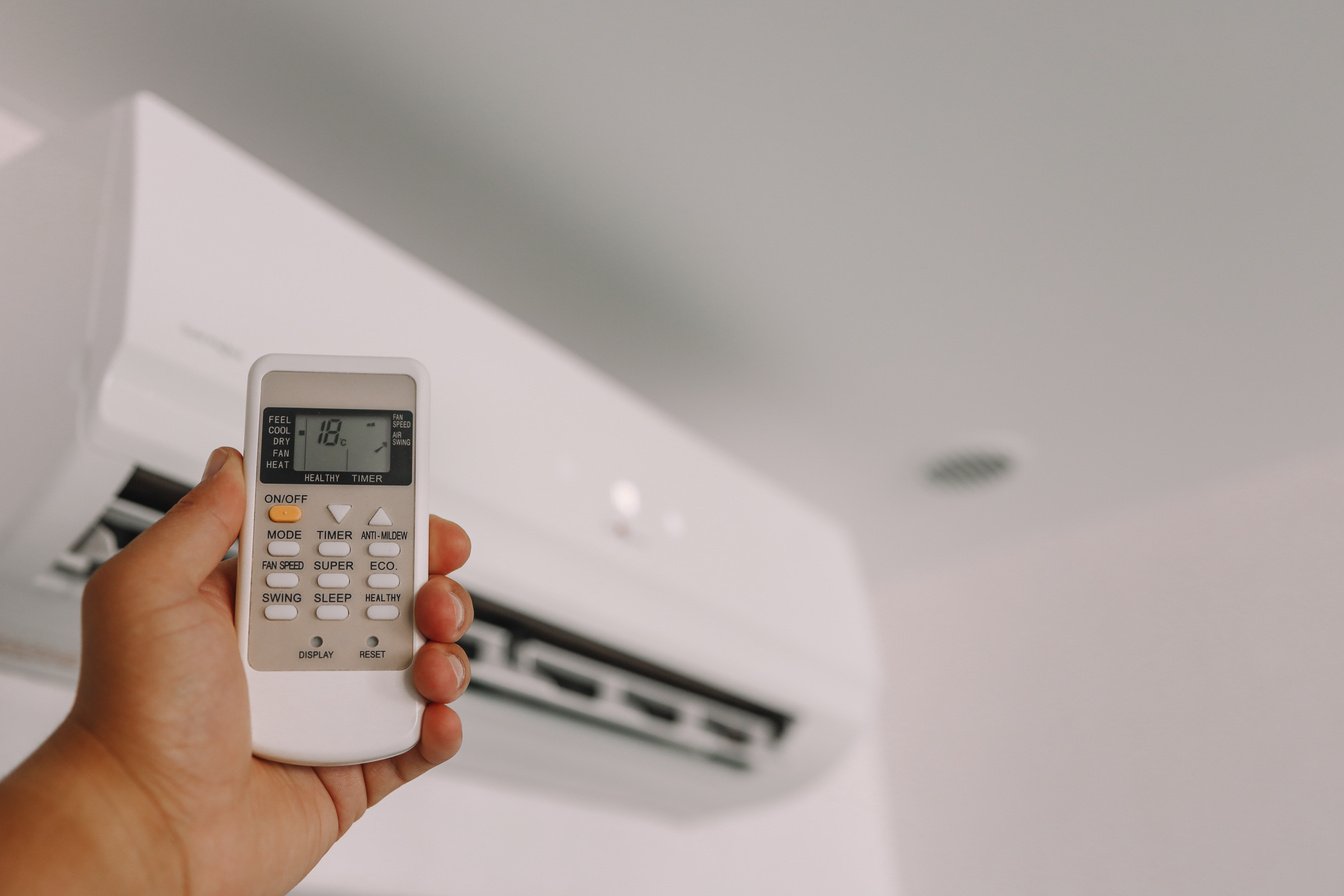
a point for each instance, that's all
(967, 468)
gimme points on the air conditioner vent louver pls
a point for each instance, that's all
(519, 657)
(144, 498)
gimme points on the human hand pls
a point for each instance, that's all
(150, 785)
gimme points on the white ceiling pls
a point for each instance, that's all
(835, 239)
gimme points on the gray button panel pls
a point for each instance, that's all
(325, 585)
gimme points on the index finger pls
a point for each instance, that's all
(449, 546)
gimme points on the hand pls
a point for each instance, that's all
(150, 785)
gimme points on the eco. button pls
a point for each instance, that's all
(285, 513)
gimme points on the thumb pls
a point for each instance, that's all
(175, 555)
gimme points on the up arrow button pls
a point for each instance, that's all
(380, 518)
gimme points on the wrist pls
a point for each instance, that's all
(73, 820)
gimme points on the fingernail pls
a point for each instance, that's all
(459, 669)
(216, 461)
(461, 611)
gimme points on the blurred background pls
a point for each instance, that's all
(1041, 302)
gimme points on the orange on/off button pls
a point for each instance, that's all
(285, 513)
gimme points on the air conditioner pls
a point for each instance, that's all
(658, 626)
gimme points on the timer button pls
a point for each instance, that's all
(333, 611)
(283, 549)
(384, 611)
(384, 549)
(333, 580)
(285, 513)
(281, 611)
(334, 548)
(282, 580)
(384, 580)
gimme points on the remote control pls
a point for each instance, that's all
(334, 547)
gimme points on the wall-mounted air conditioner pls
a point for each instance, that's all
(657, 625)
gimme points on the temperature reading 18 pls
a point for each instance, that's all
(338, 443)
(329, 433)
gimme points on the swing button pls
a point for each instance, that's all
(285, 513)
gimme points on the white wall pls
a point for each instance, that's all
(1145, 705)
(451, 834)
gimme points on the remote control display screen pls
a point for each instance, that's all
(336, 446)
(338, 443)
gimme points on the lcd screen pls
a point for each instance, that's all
(333, 442)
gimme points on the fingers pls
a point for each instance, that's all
(441, 672)
(440, 739)
(185, 547)
(443, 612)
(449, 546)
(443, 609)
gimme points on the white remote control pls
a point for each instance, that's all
(334, 547)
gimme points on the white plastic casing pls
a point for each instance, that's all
(332, 717)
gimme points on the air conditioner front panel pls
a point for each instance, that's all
(171, 260)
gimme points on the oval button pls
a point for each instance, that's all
(384, 580)
(332, 611)
(384, 549)
(281, 611)
(283, 549)
(384, 611)
(334, 549)
(285, 513)
(282, 579)
(333, 580)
